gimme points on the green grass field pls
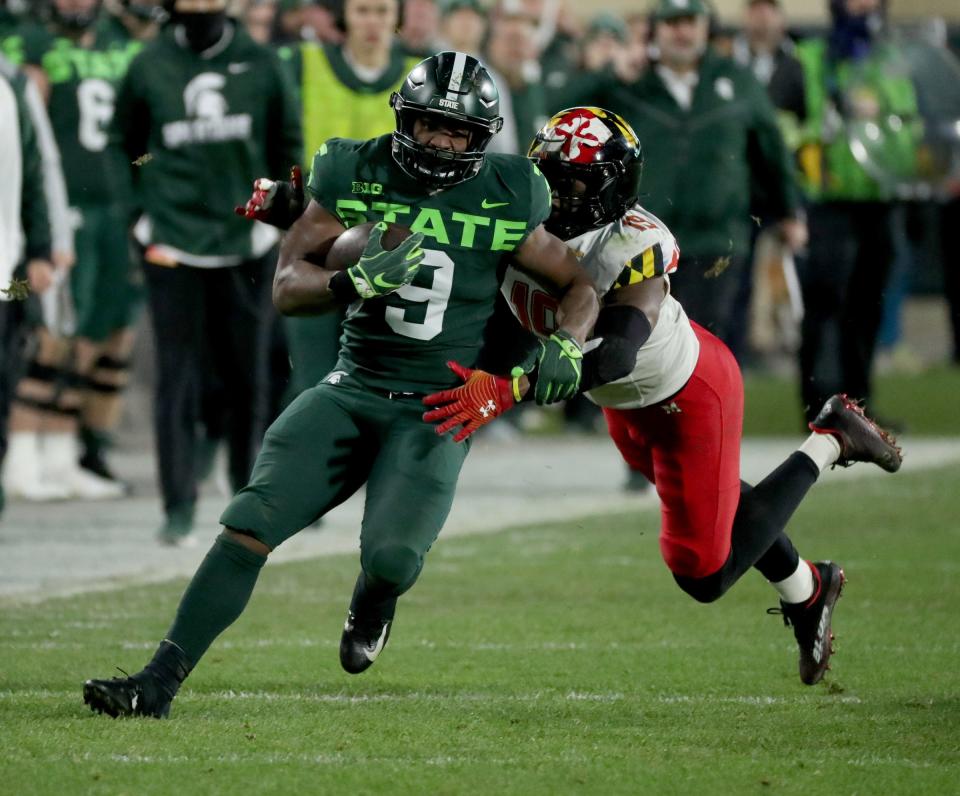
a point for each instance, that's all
(925, 403)
(545, 659)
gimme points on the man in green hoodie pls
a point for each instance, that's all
(201, 112)
(711, 143)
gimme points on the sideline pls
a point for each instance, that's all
(54, 550)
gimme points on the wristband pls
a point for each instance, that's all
(515, 375)
(342, 287)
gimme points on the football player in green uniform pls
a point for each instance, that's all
(80, 64)
(411, 309)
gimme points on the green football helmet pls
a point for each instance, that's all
(457, 87)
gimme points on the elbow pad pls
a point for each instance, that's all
(623, 329)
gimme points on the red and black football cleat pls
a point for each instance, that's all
(861, 440)
(812, 621)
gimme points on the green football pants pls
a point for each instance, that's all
(330, 441)
(106, 286)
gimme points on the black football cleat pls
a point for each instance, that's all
(811, 621)
(362, 641)
(140, 695)
(861, 440)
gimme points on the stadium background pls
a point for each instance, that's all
(641, 709)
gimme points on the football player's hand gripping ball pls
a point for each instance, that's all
(479, 400)
(558, 368)
(275, 202)
(381, 271)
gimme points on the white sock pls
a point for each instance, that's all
(823, 449)
(798, 588)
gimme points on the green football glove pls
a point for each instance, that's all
(381, 272)
(558, 368)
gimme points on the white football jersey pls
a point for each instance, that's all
(638, 246)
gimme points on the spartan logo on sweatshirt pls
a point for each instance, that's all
(208, 118)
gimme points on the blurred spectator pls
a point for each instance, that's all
(709, 135)
(203, 111)
(463, 27)
(769, 285)
(855, 94)
(307, 20)
(557, 43)
(768, 52)
(346, 94)
(24, 230)
(420, 27)
(512, 52)
(638, 23)
(259, 20)
(138, 19)
(950, 240)
(604, 42)
(80, 367)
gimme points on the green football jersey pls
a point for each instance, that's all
(403, 341)
(83, 90)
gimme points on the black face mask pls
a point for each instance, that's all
(202, 30)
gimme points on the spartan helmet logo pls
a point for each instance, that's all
(202, 98)
(583, 135)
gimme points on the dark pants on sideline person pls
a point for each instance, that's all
(12, 336)
(208, 317)
(708, 287)
(843, 279)
(950, 236)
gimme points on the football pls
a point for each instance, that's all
(348, 248)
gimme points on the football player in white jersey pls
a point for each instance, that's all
(671, 392)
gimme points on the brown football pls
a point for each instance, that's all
(348, 248)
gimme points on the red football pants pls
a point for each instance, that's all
(688, 446)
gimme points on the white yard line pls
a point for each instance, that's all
(69, 548)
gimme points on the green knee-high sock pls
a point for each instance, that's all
(215, 597)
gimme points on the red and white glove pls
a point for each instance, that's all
(479, 400)
(275, 202)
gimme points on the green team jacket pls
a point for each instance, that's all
(199, 129)
(34, 216)
(829, 169)
(701, 166)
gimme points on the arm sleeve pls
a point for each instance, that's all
(54, 187)
(323, 175)
(33, 206)
(284, 134)
(541, 201)
(657, 260)
(771, 167)
(130, 128)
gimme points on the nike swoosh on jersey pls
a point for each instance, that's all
(490, 205)
(236, 69)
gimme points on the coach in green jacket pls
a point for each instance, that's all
(710, 142)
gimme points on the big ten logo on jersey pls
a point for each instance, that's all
(208, 118)
(444, 226)
(535, 308)
(366, 188)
